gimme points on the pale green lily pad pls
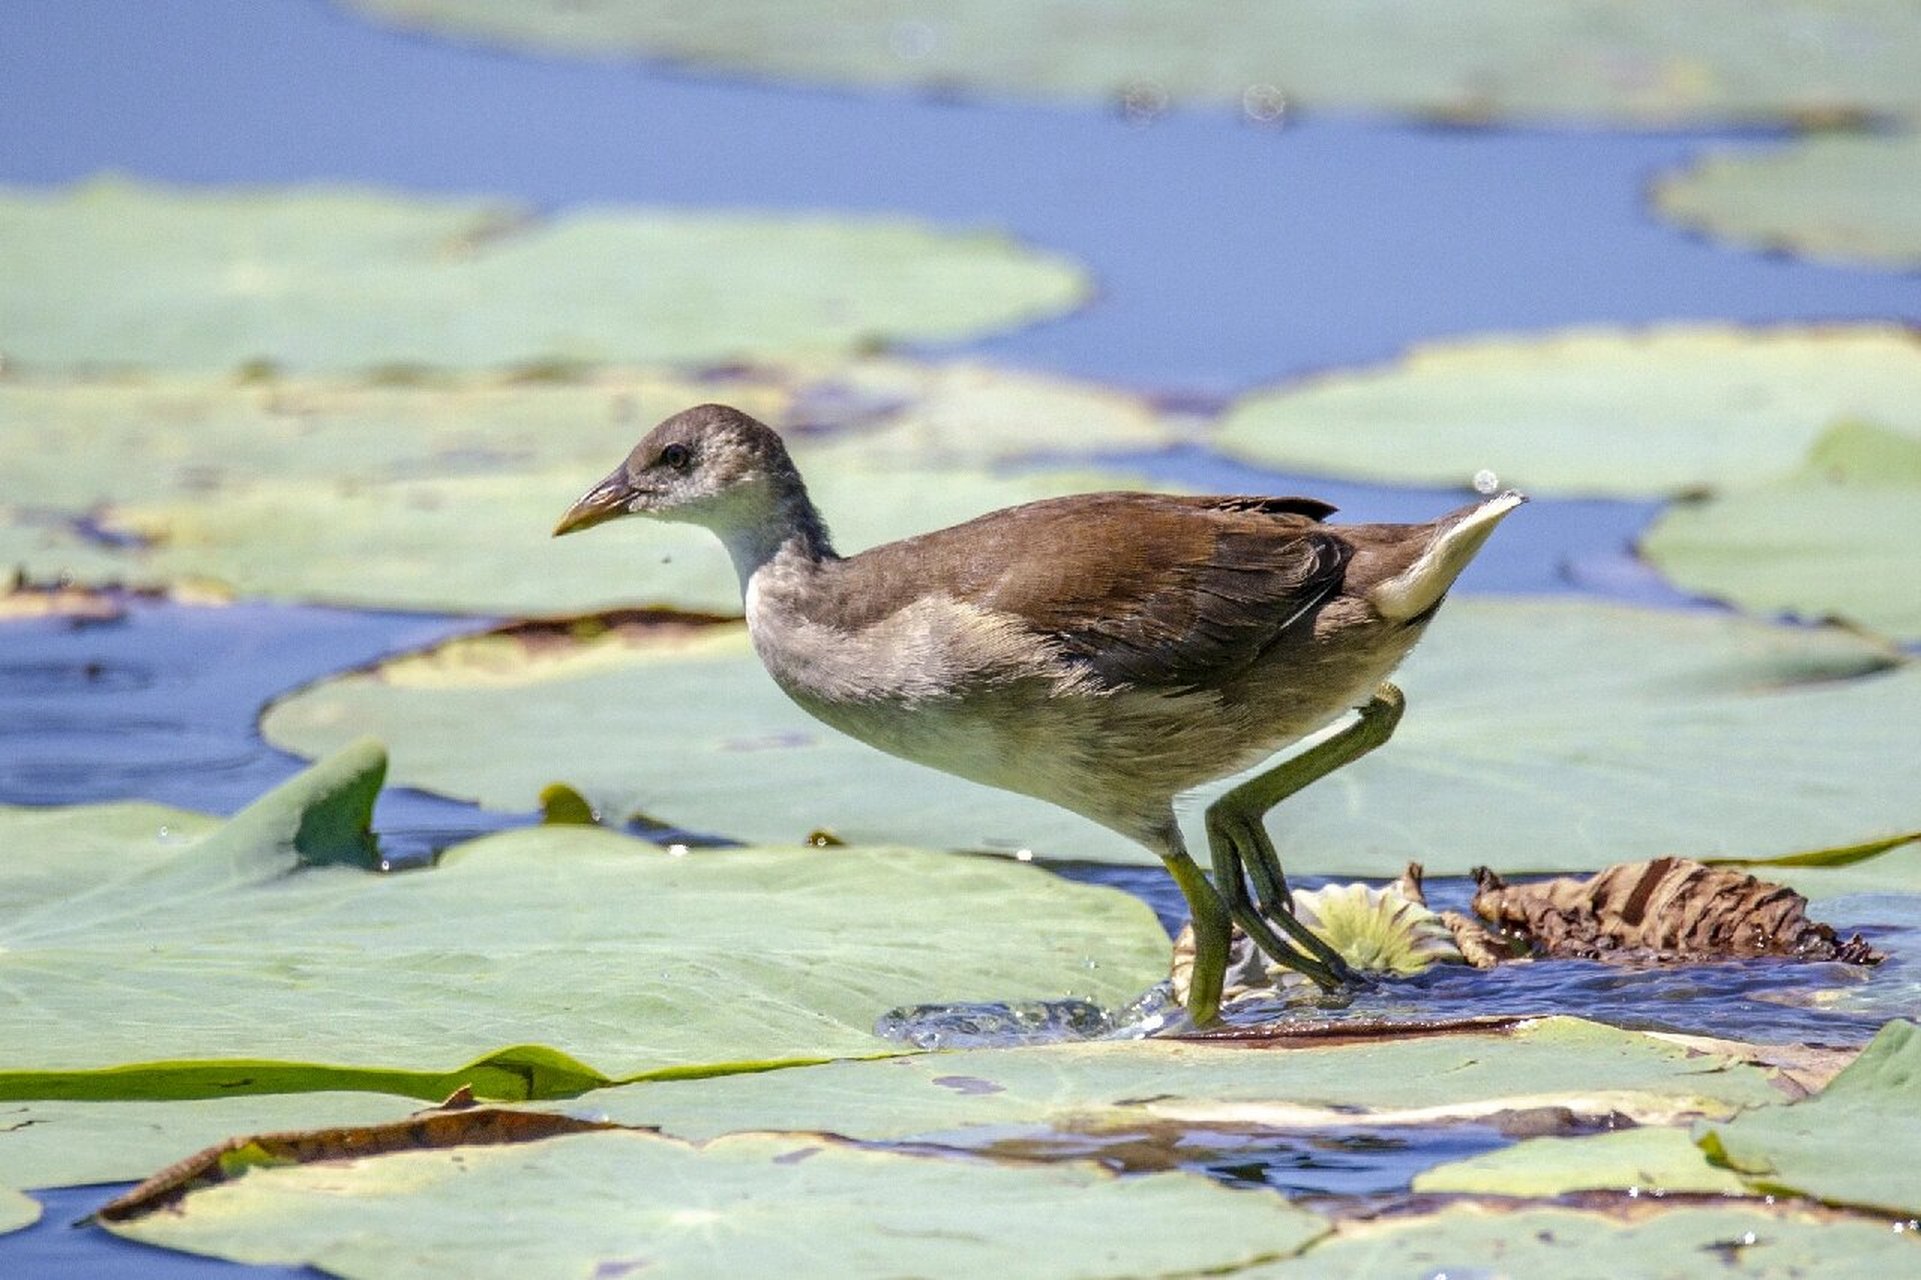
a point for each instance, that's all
(481, 544)
(798, 1206)
(1600, 412)
(116, 273)
(1650, 1159)
(442, 497)
(1834, 196)
(246, 952)
(69, 1144)
(16, 1210)
(1646, 1241)
(1540, 735)
(972, 1095)
(1841, 537)
(1638, 62)
(1850, 1144)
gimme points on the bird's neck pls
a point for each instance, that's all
(790, 532)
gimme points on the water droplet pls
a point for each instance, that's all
(1485, 481)
(1142, 102)
(1023, 855)
(1263, 104)
(677, 850)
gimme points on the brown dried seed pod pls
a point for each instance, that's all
(1670, 908)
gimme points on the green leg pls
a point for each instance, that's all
(1211, 932)
(1239, 842)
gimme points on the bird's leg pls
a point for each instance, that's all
(1212, 930)
(1239, 840)
(1231, 875)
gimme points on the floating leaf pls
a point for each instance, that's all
(1598, 412)
(1845, 197)
(1540, 735)
(802, 1206)
(1841, 537)
(17, 1210)
(116, 273)
(1847, 1145)
(1636, 62)
(1647, 1240)
(1669, 908)
(239, 961)
(411, 496)
(67, 1144)
(1644, 1160)
(969, 1096)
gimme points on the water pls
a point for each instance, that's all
(59, 1245)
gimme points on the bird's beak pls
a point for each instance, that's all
(606, 501)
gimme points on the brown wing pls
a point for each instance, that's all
(1145, 589)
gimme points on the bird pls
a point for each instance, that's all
(1105, 652)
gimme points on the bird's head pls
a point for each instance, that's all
(710, 465)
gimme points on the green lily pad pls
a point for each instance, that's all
(1698, 734)
(116, 273)
(70, 1144)
(1841, 537)
(1834, 196)
(408, 497)
(259, 958)
(1651, 1159)
(1601, 412)
(1848, 1144)
(971, 1096)
(800, 1206)
(17, 1210)
(438, 544)
(1647, 1241)
(1637, 62)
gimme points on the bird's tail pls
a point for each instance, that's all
(1457, 537)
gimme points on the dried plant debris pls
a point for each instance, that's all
(1666, 909)
(453, 1125)
(1478, 945)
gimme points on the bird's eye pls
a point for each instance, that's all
(677, 456)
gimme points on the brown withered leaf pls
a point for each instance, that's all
(1479, 945)
(470, 1126)
(1667, 909)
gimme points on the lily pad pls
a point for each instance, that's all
(1598, 412)
(17, 1210)
(973, 1096)
(607, 1203)
(1651, 1159)
(117, 273)
(1841, 537)
(70, 1144)
(410, 496)
(259, 958)
(1635, 62)
(1541, 735)
(1648, 1241)
(1847, 1144)
(1835, 196)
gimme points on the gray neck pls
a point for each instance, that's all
(791, 531)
